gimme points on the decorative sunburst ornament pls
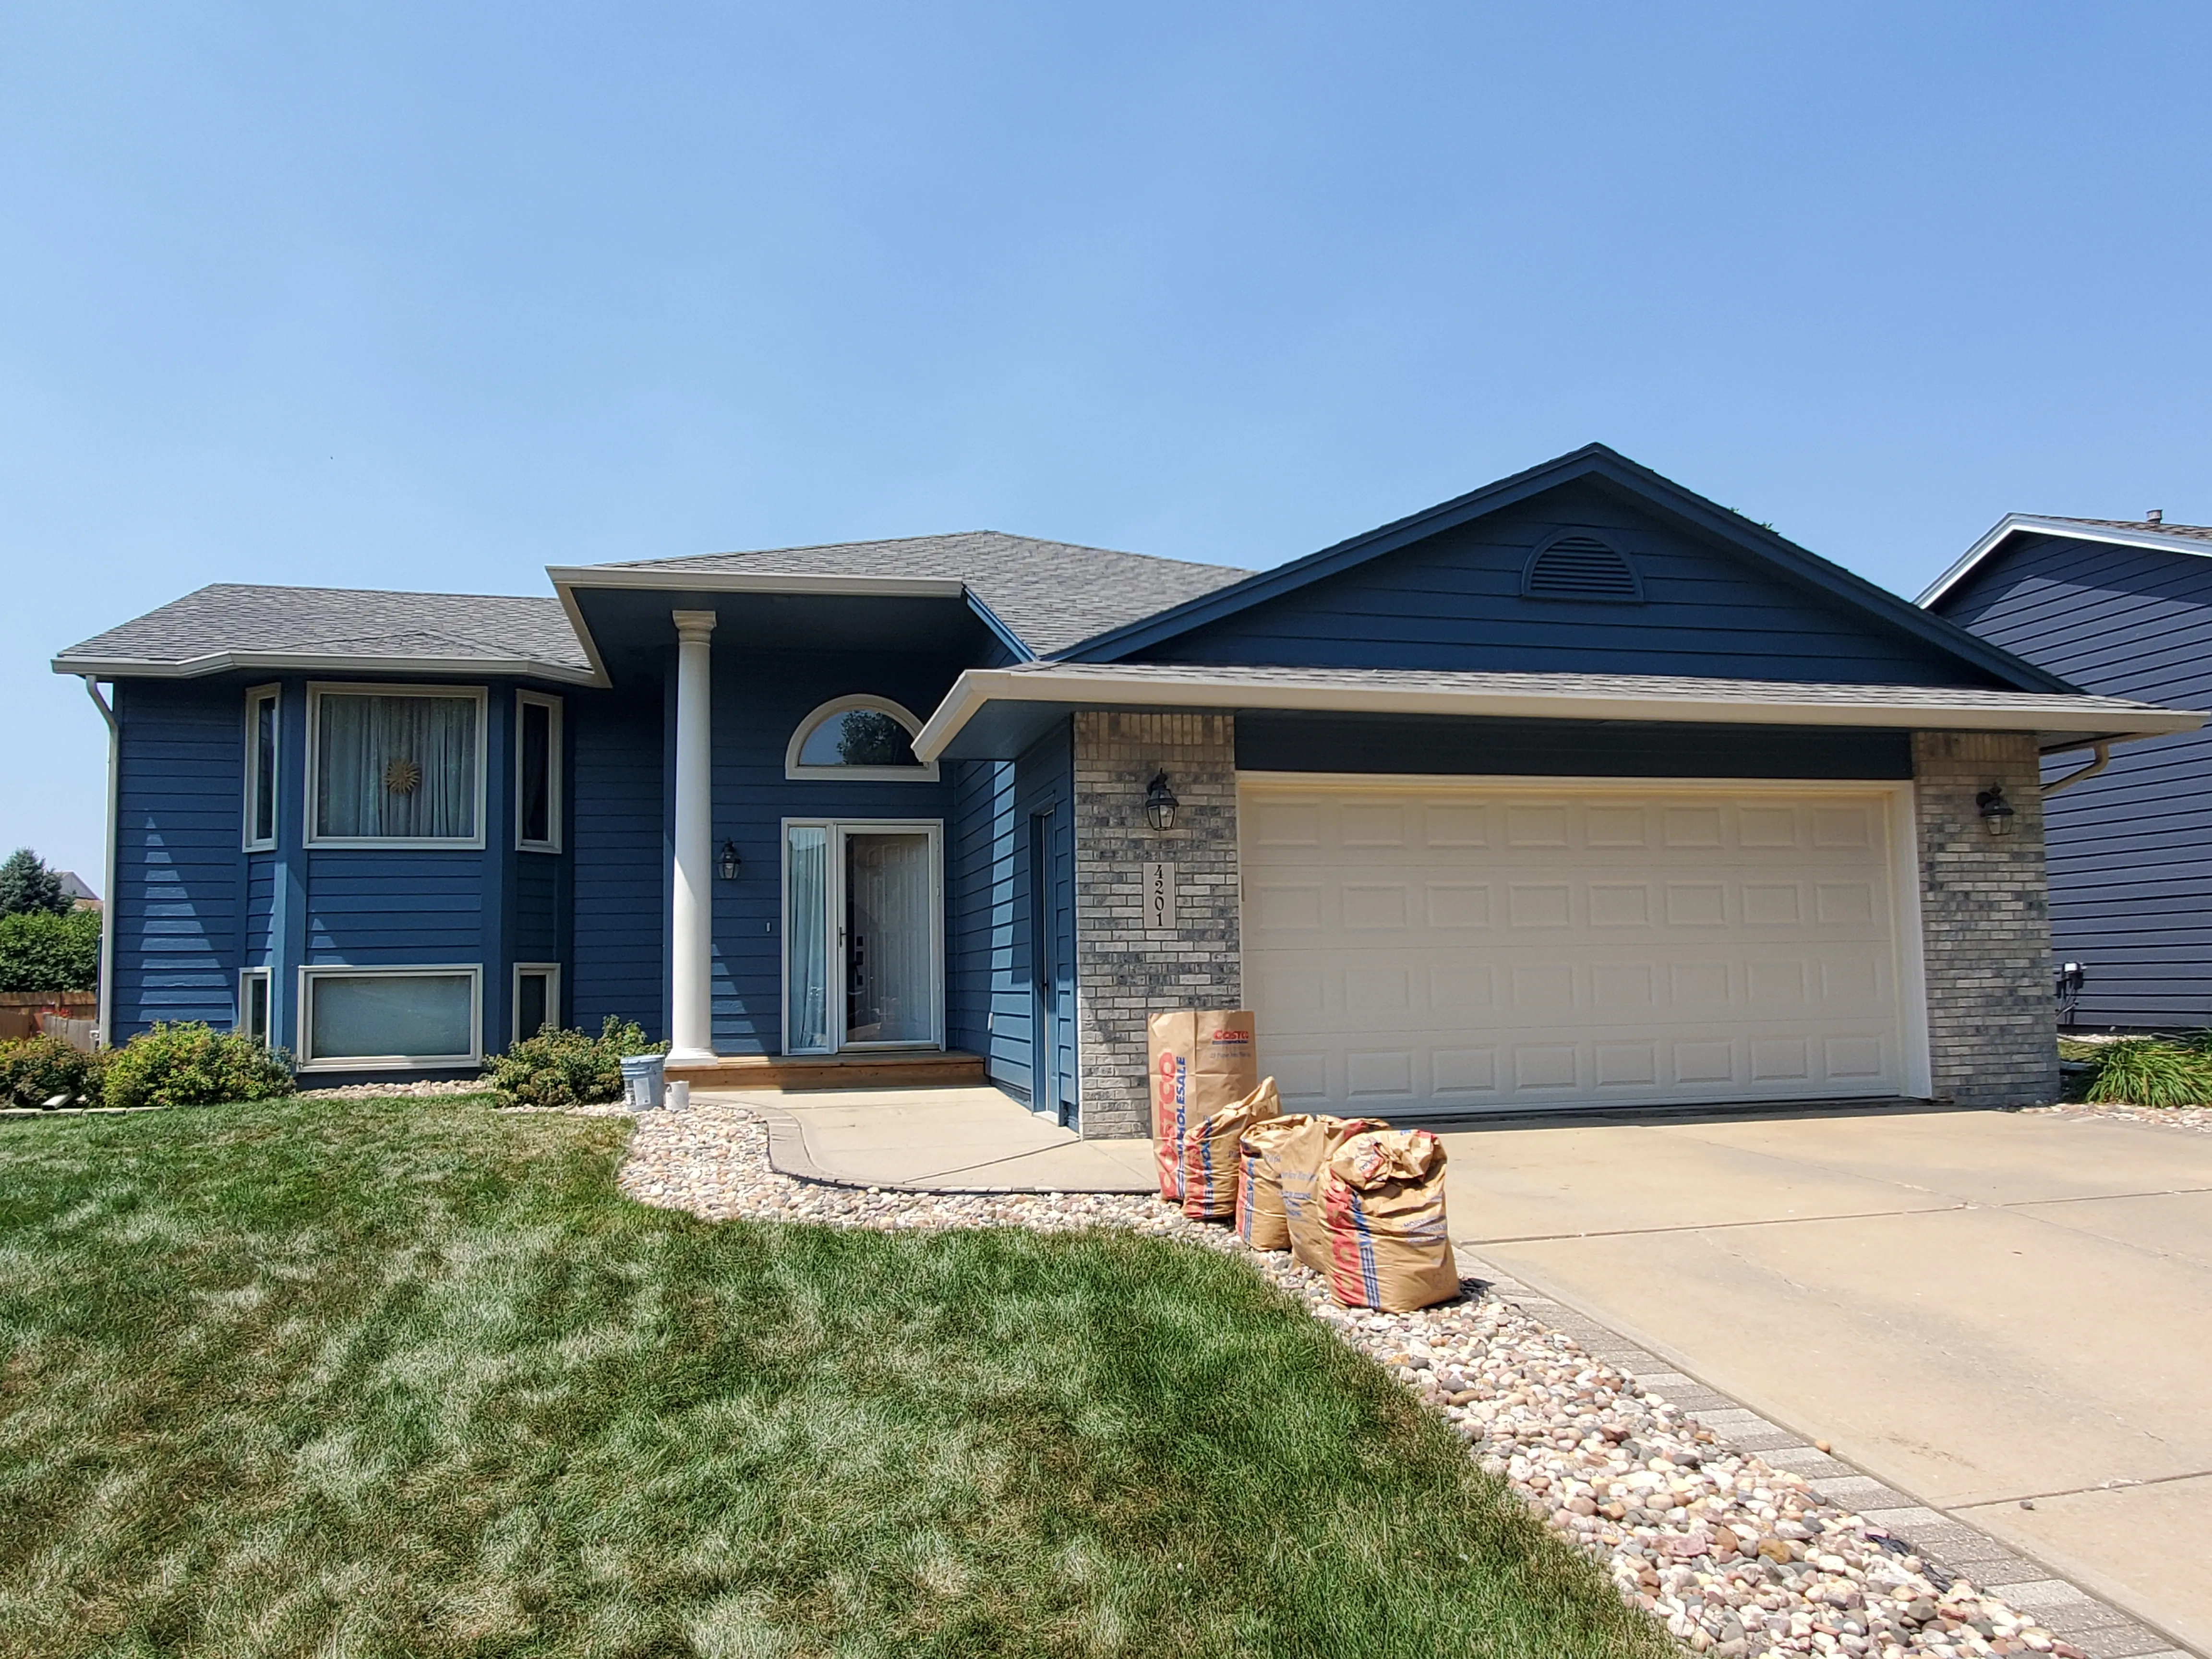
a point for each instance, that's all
(402, 777)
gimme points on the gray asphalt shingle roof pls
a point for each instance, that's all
(233, 624)
(1051, 594)
(2197, 532)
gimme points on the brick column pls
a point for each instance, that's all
(1122, 973)
(1985, 921)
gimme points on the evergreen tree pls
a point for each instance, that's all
(28, 888)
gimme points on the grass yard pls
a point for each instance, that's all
(411, 1377)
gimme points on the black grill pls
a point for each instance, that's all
(1582, 568)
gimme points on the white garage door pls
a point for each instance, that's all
(1457, 948)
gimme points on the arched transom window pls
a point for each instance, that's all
(857, 738)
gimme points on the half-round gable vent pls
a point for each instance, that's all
(1579, 565)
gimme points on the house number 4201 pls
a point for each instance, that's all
(1159, 898)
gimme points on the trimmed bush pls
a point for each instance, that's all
(188, 1064)
(40, 952)
(35, 1070)
(567, 1068)
(2148, 1072)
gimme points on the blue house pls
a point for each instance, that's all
(1576, 790)
(2124, 608)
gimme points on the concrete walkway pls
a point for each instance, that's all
(952, 1141)
(2008, 1316)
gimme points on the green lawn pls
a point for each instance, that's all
(411, 1377)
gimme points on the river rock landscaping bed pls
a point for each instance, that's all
(1735, 1558)
(2198, 1118)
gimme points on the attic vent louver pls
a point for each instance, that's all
(1579, 565)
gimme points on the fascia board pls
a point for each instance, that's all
(2026, 523)
(2055, 718)
(219, 662)
(755, 581)
(1003, 634)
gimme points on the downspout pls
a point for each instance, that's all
(2103, 753)
(107, 900)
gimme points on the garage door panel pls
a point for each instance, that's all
(1452, 950)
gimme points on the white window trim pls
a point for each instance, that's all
(316, 691)
(243, 1024)
(552, 972)
(255, 696)
(920, 772)
(934, 828)
(389, 1062)
(552, 705)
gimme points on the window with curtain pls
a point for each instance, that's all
(397, 766)
(807, 975)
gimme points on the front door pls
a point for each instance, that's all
(864, 953)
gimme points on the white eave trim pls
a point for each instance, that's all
(218, 662)
(2025, 711)
(2029, 524)
(754, 581)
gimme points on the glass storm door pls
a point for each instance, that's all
(862, 964)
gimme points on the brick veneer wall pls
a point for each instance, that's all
(1123, 974)
(1984, 921)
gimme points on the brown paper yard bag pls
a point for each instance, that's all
(1382, 1200)
(1211, 1154)
(1260, 1220)
(1202, 1059)
(1298, 1158)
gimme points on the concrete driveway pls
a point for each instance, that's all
(1988, 1310)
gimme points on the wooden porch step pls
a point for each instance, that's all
(874, 1071)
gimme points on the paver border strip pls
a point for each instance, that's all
(2090, 1622)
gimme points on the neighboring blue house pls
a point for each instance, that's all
(1576, 790)
(2125, 609)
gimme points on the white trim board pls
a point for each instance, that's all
(2149, 538)
(1539, 697)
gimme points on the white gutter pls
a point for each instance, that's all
(2026, 711)
(281, 662)
(107, 899)
(754, 581)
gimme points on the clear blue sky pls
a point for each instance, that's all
(417, 295)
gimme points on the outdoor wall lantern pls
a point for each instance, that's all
(1160, 804)
(727, 865)
(1997, 811)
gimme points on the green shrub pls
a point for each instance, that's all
(188, 1064)
(2150, 1072)
(32, 1071)
(567, 1068)
(40, 952)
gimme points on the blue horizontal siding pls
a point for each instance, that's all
(1454, 601)
(2131, 875)
(981, 904)
(617, 850)
(179, 904)
(536, 901)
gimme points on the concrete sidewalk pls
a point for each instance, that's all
(949, 1140)
(2008, 1316)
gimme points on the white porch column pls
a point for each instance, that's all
(691, 1012)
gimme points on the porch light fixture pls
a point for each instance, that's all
(1997, 811)
(727, 865)
(1160, 804)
